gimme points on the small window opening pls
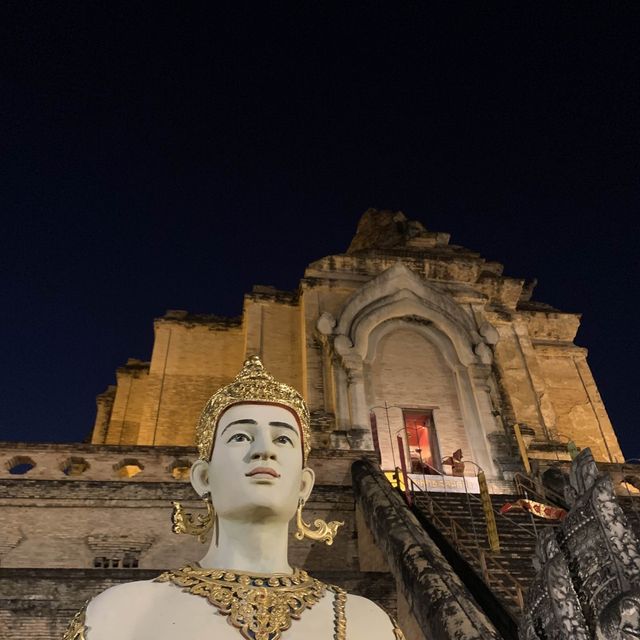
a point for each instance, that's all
(128, 468)
(20, 465)
(74, 466)
(129, 562)
(180, 469)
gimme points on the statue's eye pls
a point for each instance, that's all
(283, 440)
(239, 437)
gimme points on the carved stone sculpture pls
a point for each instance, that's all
(588, 582)
(621, 618)
(553, 610)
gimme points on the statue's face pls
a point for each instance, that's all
(256, 470)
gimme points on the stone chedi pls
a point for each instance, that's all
(253, 441)
(403, 346)
(403, 318)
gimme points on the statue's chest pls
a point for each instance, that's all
(192, 617)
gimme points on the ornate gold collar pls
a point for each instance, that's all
(260, 606)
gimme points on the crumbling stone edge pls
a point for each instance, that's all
(441, 605)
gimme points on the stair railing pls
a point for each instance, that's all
(471, 496)
(468, 545)
(526, 486)
(443, 476)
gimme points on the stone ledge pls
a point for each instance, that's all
(332, 466)
(91, 492)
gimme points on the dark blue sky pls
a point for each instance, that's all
(172, 159)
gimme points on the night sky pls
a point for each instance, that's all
(159, 159)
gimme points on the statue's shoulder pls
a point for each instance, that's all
(121, 594)
(117, 609)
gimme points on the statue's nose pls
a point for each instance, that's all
(263, 449)
(263, 455)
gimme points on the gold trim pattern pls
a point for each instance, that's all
(397, 631)
(261, 607)
(253, 384)
(339, 613)
(325, 531)
(194, 525)
(76, 629)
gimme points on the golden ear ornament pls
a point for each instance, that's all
(194, 525)
(254, 384)
(324, 531)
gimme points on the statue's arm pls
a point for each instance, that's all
(365, 619)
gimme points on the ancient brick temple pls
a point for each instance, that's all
(407, 349)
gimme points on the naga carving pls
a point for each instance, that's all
(588, 582)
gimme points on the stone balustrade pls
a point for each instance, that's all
(144, 463)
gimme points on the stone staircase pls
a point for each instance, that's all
(460, 519)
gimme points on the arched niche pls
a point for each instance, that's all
(399, 285)
(399, 296)
(425, 374)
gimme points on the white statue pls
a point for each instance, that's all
(254, 440)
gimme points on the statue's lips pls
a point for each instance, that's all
(262, 471)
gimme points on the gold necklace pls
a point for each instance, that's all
(260, 606)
